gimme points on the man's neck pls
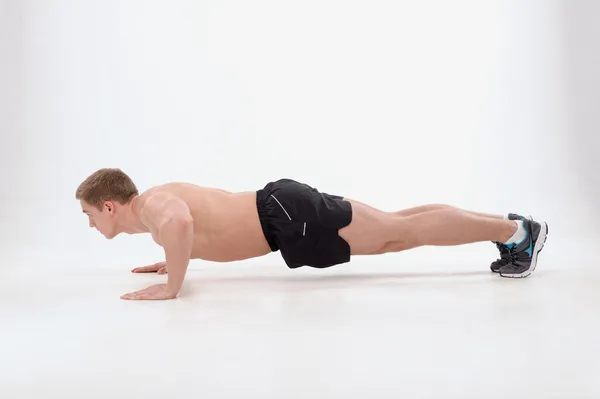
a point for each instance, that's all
(132, 223)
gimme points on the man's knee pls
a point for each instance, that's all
(375, 232)
(397, 246)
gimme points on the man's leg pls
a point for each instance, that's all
(495, 266)
(498, 263)
(436, 207)
(375, 232)
(455, 227)
(428, 208)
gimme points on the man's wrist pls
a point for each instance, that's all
(171, 290)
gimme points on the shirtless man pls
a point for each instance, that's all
(309, 227)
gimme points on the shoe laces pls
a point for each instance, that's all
(504, 251)
(513, 255)
(516, 256)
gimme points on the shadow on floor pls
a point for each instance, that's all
(304, 281)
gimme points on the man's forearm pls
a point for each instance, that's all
(177, 239)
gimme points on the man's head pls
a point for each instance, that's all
(104, 196)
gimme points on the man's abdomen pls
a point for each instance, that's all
(230, 230)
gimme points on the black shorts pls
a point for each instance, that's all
(303, 223)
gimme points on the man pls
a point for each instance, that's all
(309, 227)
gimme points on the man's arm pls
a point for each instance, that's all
(171, 218)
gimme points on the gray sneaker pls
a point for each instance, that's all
(504, 252)
(523, 256)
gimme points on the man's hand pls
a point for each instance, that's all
(158, 268)
(154, 292)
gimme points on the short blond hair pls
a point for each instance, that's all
(107, 184)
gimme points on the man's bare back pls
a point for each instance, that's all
(226, 225)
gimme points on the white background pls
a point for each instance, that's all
(394, 103)
(489, 105)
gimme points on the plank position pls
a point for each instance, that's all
(309, 227)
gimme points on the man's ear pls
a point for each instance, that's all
(109, 206)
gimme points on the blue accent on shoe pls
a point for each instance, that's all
(529, 250)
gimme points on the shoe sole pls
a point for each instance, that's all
(497, 270)
(539, 245)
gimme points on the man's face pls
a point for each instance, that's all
(102, 220)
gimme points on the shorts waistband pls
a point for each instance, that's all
(264, 207)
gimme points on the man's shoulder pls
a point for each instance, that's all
(156, 197)
(157, 205)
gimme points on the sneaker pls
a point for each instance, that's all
(504, 252)
(523, 256)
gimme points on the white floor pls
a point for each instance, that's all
(369, 329)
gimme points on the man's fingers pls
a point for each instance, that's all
(138, 297)
(153, 292)
(133, 295)
(145, 269)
